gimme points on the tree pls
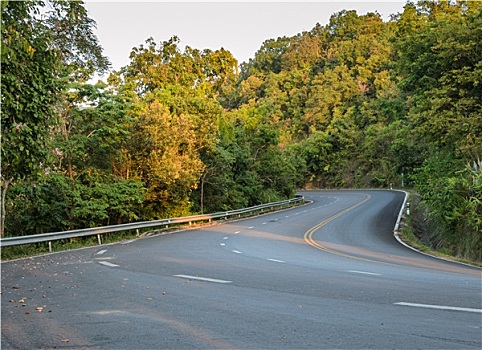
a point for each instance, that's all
(37, 59)
(165, 156)
(445, 80)
(84, 183)
(177, 111)
(268, 58)
(155, 66)
(439, 63)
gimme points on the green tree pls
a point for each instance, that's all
(37, 60)
(83, 184)
(155, 66)
(177, 111)
(440, 66)
(439, 63)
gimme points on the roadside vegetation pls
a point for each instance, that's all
(356, 103)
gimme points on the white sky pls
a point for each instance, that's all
(240, 27)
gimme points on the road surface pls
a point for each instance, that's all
(325, 275)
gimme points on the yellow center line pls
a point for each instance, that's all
(308, 236)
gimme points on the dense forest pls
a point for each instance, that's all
(356, 103)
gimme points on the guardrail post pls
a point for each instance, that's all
(98, 239)
(50, 246)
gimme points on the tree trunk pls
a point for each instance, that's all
(3, 200)
(203, 178)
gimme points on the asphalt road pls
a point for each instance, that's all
(327, 275)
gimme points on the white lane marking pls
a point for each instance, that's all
(236, 232)
(287, 216)
(106, 263)
(250, 227)
(127, 242)
(205, 279)
(225, 237)
(365, 273)
(222, 244)
(276, 260)
(440, 307)
(237, 252)
(264, 223)
(100, 252)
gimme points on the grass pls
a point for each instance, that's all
(407, 235)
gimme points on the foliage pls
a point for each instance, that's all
(29, 86)
(453, 205)
(370, 103)
(82, 183)
(440, 65)
(43, 44)
(358, 102)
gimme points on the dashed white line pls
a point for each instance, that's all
(100, 252)
(222, 244)
(106, 263)
(276, 260)
(237, 252)
(365, 273)
(205, 279)
(250, 227)
(440, 307)
(225, 237)
(236, 232)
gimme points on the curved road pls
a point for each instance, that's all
(325, 275)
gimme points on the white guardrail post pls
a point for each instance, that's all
(52, 236)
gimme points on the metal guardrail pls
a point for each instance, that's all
(49, 237)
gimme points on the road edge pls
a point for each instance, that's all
(396, 234)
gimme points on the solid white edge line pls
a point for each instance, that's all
(440, 307)
(205, 279)
(397, 236)
(106, 263)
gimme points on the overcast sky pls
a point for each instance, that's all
(240, 27)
